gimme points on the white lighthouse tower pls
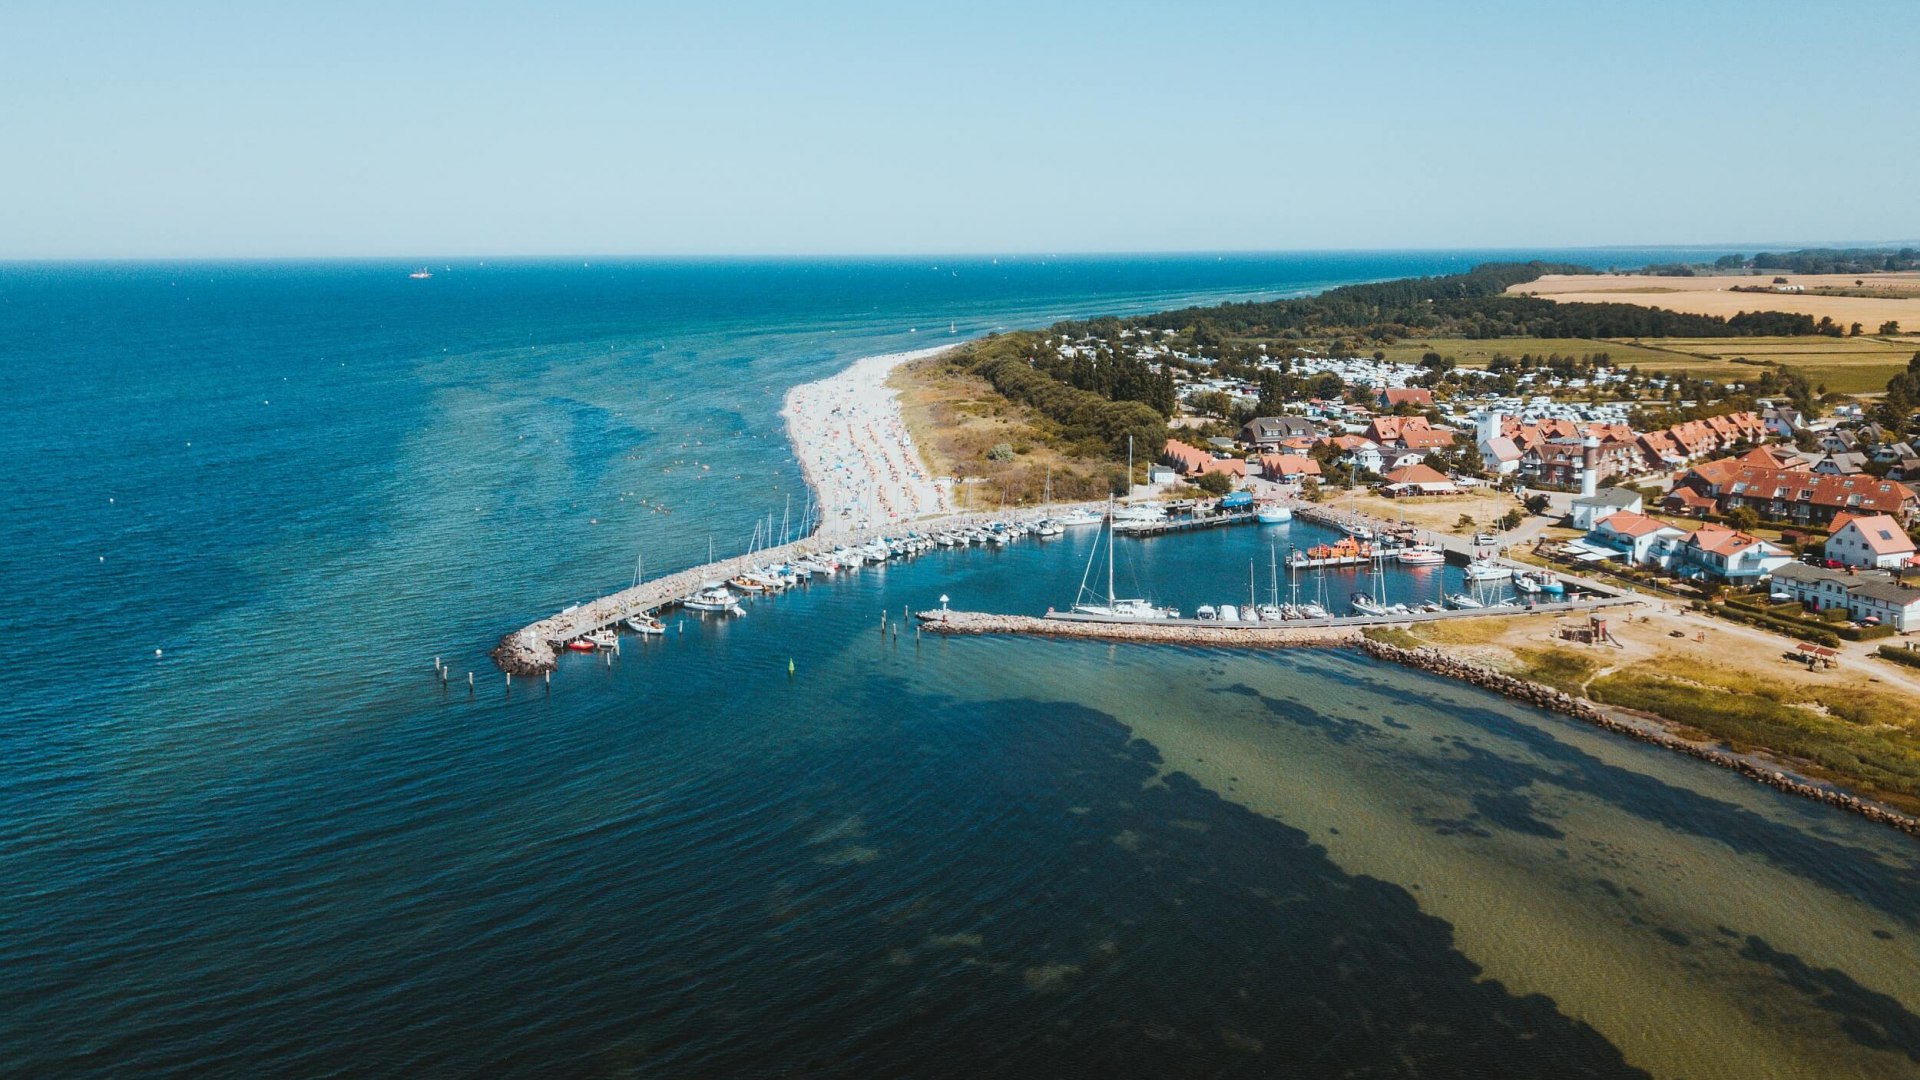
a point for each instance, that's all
(1590, 466)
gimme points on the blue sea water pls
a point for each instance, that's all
(243, 830)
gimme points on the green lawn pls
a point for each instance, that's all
(1849, 365)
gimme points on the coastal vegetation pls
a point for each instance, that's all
(1839, 725)
(998, 449)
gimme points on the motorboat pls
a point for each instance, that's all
(1047, 528)
(1421, 555)
(1229, 613)
(1206, 613)
(581, 644)
(1075, 519)
(1463, 601)
(602, 639)
(713, 597)
(1314, 611)
(1486, 571)
(1272, 513)
(644, 624)
(1270, 613)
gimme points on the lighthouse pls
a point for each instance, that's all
(1589, 466)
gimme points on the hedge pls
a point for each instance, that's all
(1798, 628)
(1898, 655)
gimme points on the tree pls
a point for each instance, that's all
(1891, 326)
(1511, 520)
(1214, 483)
(1465, 522)
(1537, 504)
(1310, 489)
(1854, 330)
(1744, 518)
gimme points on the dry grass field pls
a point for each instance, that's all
(1435, 514)
(958, 418)
(1893, 297)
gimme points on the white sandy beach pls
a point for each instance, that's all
(855, 451)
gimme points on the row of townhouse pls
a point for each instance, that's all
(1875, 597)
(1803, 498)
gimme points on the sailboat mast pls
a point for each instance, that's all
(1109, 550)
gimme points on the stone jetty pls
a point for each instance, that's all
(1439, 662)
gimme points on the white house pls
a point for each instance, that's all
(1863, 594)
(1874, 541)
(1604, 503)
(1640, 538)
(1717, 552)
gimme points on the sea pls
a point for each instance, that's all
(245, 830)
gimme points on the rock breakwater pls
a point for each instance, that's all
(1439, 662)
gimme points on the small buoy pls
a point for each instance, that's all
(156, 653)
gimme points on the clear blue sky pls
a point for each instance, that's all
(201, 129)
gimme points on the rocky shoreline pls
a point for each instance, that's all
(1438, 662)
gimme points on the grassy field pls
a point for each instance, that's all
(958, 418)
(1845, 365)
(1854, 724)
(1478, 353)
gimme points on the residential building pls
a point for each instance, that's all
(1639, 538)
(1416, 480)
(1872, 541)
(1269, 432)
(1593, 508)
(1864, 594)
(1799, 497)
(1718, 553)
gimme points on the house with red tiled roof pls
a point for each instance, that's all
(1416, 480)
(1640, 538)
(1417, 396)
(1683, 442)
(1869, 541)
(1719, 553)
(1285, 468)
(1192, 462)
(1796, 496)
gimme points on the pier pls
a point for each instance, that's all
(1341, 630)
(534, 649)
(1185, 524)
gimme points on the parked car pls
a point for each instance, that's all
(1485, 538)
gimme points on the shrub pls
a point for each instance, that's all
(1214, 483)
(1001, 452)
(1898, 655)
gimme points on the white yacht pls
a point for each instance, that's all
(1089, 602)
(713, 596)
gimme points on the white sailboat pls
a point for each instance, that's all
(1090, 603)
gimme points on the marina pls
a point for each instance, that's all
(1489, 586)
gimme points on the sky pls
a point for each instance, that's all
(190, 129)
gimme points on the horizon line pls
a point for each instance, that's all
(1774, 245)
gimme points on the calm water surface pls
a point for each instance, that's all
(280, 847)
